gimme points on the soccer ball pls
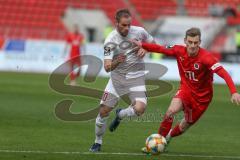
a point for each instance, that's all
(155, 143)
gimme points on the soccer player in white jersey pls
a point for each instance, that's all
(127, 74)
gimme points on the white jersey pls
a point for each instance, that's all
(115, 44)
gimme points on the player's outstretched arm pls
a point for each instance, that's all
(224, 74)
(142, 52)
(152, 47)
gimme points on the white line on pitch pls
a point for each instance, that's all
(119, 153)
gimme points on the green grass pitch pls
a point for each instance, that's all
(30, 130)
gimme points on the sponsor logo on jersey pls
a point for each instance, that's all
(107, 51)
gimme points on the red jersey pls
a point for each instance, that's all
(196, 72)
(75, 40)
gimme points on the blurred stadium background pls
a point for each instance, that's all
(32, 32)
(32, 39)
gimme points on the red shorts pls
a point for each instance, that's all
(193, 110)
(75, 61)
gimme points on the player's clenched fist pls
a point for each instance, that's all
(121, 57)
(138, 43)
(235, 98)
(141, 53)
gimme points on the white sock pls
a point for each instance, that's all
(100, 128)
(168, 137)
(127, 112)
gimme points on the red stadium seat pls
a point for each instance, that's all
(151, 9)
(30, 15)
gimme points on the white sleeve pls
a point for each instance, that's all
(109, 48)
(146, 37)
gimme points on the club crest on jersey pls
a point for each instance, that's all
(196, 66)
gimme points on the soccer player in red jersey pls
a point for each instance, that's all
(75, 40)
(196, 68)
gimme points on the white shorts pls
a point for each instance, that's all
(130, 90)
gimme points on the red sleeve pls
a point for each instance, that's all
(68, 38)
(224, 74)
(169, 51)
(211, 62)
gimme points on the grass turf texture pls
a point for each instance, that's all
(28, 123)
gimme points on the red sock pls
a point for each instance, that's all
(165, 126)
(72, 76)
(176, 131)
